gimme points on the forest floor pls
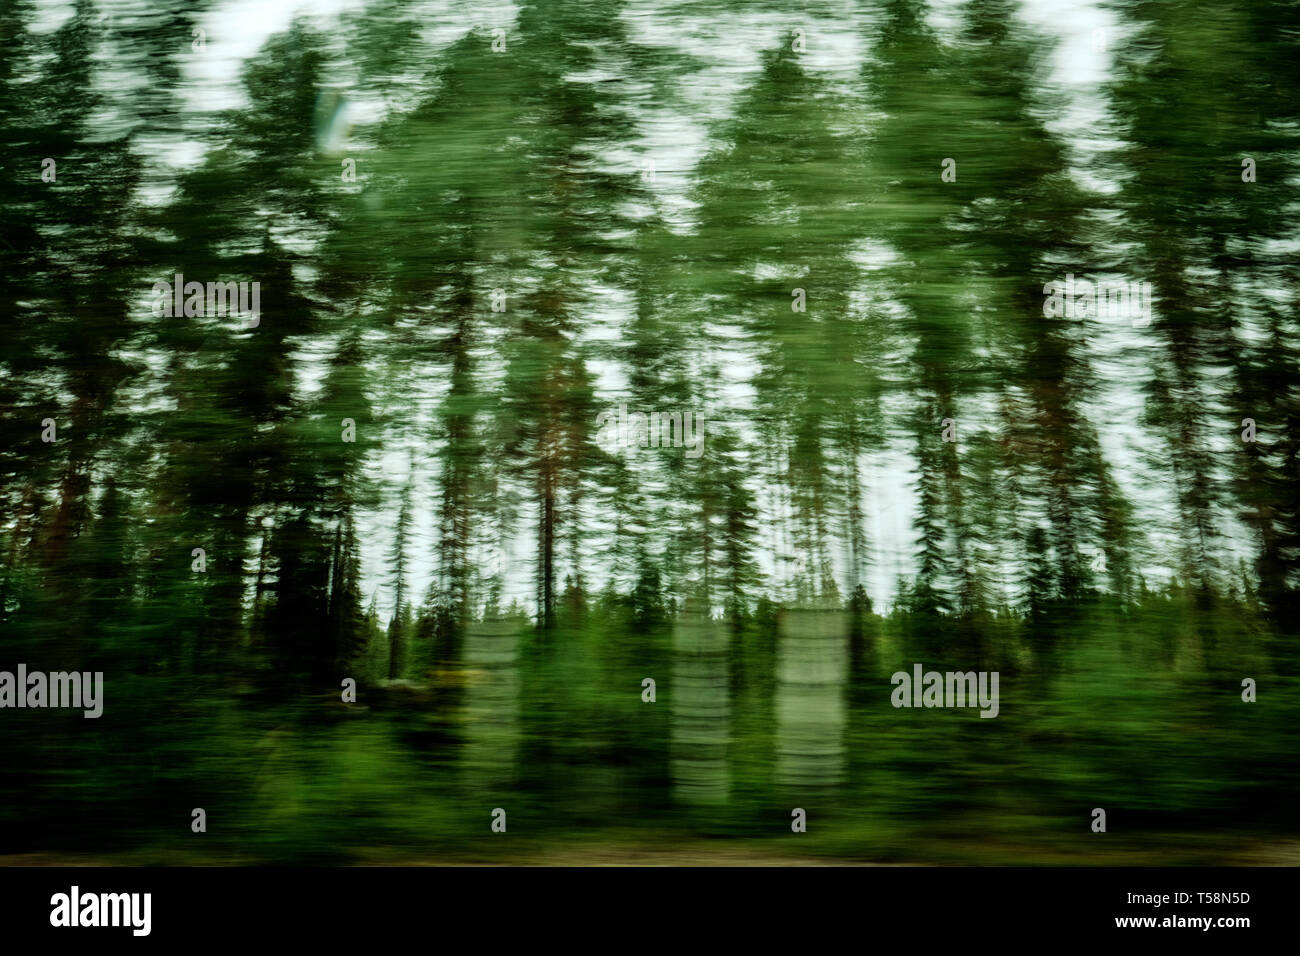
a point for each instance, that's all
(624, 851)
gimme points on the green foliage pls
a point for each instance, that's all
(397, 475)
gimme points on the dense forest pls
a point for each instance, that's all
(761, 350)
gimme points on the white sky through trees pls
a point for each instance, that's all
(732, 43)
